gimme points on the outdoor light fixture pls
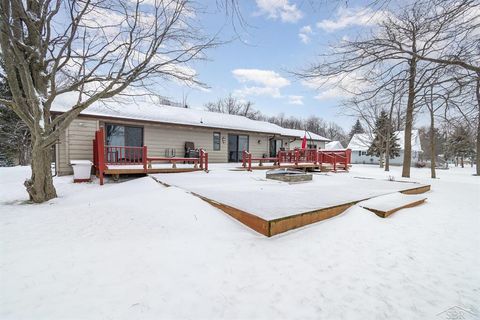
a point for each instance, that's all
(259, 141)
(224, 140)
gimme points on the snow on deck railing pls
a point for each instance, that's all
(299, 156)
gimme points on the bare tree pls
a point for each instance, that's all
(94, 49)
(232, 105)
(408, 44)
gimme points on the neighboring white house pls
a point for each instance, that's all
(334, 145)
(360, 143)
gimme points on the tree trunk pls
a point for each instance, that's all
(432, 144)
(461, 162)
(387, 160)
(478, 124)
(40, 186)
(389, 133)
(381, 160)
(24, 155)
(387, 152)
(407, 150)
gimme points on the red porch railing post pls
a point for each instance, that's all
(249, 162)
(206, 161)
(296, 156)
(201, 153)
(144, 158)
(100, 137)
(335, 162)
(95, 155)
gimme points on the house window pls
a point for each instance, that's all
(359, 153)
(216, 141)
(120, 135)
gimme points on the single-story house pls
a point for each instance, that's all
(361, 142)
(334, 145)
(166, 130)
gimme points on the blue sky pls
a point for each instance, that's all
(282, 35)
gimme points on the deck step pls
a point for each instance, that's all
(385, 205)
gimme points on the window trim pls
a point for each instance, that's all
(215, 135)
(105, 124)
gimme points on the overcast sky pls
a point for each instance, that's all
(281, 35)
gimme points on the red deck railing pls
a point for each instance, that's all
(125, 155)
(302, 156)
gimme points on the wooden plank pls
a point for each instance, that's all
(417, 190)
(265, 166)
(152, 170)
(284, 224)
(384, 214)
(252, 221)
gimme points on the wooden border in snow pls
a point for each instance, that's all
(285, 224)
(280, 225)
(254, 222)
(417, 190)
(384, 214)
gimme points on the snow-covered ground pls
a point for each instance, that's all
(138, 250)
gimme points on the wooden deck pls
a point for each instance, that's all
(118, 160)
(149, 170)
(325, 167)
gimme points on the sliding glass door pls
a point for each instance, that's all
(123, 136)
(236, 145)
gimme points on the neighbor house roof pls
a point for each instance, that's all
(301, 133)
(334, 145)
(362, 141)
(149, 111)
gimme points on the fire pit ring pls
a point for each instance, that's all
(289, 175)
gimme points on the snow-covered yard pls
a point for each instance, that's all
(138, 250)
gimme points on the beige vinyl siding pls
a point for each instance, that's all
(76, 144)
(157, 138)
(62, 158)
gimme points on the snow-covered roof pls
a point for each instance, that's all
(334, 145)
(362, 141)
(301, 133)
(149, 111)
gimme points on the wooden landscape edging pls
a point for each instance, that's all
(422, 189)
(254, 222)
(273, 227)
(295, 221)
(384, 214)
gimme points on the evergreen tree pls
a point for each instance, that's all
(380, 144)
(460, 145)
(14, 133)
(357, 128)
